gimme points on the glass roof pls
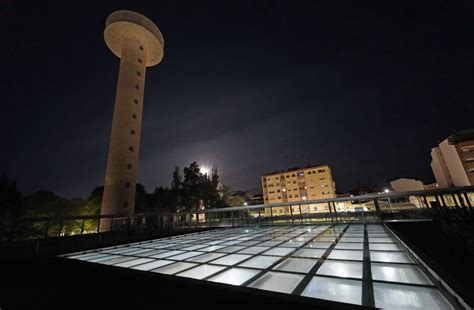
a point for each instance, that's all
(351, 263)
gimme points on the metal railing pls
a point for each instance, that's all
(451, 203)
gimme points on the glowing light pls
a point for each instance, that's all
(204, 170)
(386, 191)
(245, 204)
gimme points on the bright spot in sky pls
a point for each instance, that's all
(204, 170)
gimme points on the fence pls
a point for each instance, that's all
(451, 203)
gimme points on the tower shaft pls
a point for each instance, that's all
(122, 162)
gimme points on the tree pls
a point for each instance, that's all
(176, 191)
(192, 184)
(10, 197)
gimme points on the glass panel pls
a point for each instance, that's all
(380, 240)
(270, 243)
(349, 246)
(279, 251)
(206, 257)
(254, 250)
(277, 282)
(234, 276)
(134, 262)
(152, 265)
(212, 248)
(341, 269)
(405, 297)
(167, 254)
(346, 239)
(390, 257)
(384, 247)
(313, 253)
(185, 255)
(303, 265)
(90, 256)
(399, 273)
(346, 254)
(174, 268)
(201, 272)
(231, 249)
(154, 252)
(319, 245)
(231, 259)
(292, 244)
(260, 262)
(195, 247)
(99, 259)
(117, 260)
(341, 290)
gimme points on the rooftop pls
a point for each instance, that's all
(350, 263)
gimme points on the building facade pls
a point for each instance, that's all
(297, 185)
(453, 160)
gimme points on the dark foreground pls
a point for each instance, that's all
(45, 283)
(49, 282)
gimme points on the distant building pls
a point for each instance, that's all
(256, 199)
(296, 185)
(431, 186)
(406, 185)
(453, 160)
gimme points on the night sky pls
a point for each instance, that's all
(248, 86)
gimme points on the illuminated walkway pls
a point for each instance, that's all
(355, 264)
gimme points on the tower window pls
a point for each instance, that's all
(134, 116)
(132, 131)
(129, 166)
(138, 73)
(137, 87)
(131, 148)
(139, 60)
(127, 184)
(141, 48)
(125, 204)
(135, 101)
